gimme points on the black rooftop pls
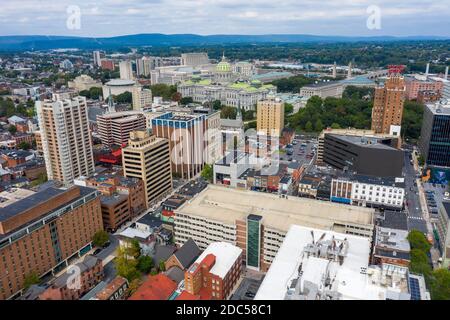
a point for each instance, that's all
(188, 253)
(394, 220)
(28, 202)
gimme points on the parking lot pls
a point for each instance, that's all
(301, 149)
(434, 194)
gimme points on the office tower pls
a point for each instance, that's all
(434, 140)
(186, 133)
(194, 59)
(270, 116)
(115, 128)
(98, 57)
(39, 233)
(145, 65)
(66, 140)
(126, 70)
(387, 109)
(141, 98)
(147, 157)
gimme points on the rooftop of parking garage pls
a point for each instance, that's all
(228, 205)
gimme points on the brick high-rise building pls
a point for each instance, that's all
(66, 139)
(387, 109)
(148, 158)
(270, 116)
(41, 232)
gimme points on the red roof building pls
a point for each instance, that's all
(159, 287)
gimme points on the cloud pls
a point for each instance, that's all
(326, 17)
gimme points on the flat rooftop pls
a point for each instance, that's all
(26, 203)
(228, 205)
(13, 195)
(364, 141)
(354, 279)
(226, 255)
(440, 108)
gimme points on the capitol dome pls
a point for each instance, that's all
(223, 66)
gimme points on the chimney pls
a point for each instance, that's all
(446, 73)
(349, 74)
(427, 71)
(334, 70)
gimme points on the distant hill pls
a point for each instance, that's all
(38, 42)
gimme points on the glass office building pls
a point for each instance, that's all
(435, 136)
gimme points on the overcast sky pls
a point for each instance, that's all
(318, 17)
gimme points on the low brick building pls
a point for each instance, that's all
(115, 290)
(215, 273)
(70, 287)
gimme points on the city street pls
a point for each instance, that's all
(413, 206)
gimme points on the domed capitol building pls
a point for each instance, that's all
(229, 87)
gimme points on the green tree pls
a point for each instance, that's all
(85, 93)
(228, 112)
(186, 100)
(125, 97)
(100, 238)
(335, 125)
(318, 126)
(95, 92)
(419, 262)
(288, 108)
(292, 84)
(134, 250)
(126, 266)
(162, 266)
(24, 145)
(309, 126)
(30, 279)
(163, 90)
(440, 285)
(417, 240)
(250, 125)
(208, 173)
(12, 129)
(145, 264)
(217, 105)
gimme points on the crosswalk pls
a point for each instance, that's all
(416, 218)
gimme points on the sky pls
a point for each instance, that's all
(100, 18)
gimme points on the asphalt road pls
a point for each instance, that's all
(412, 197)
(109, 250)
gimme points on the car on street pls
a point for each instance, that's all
(97, 251)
